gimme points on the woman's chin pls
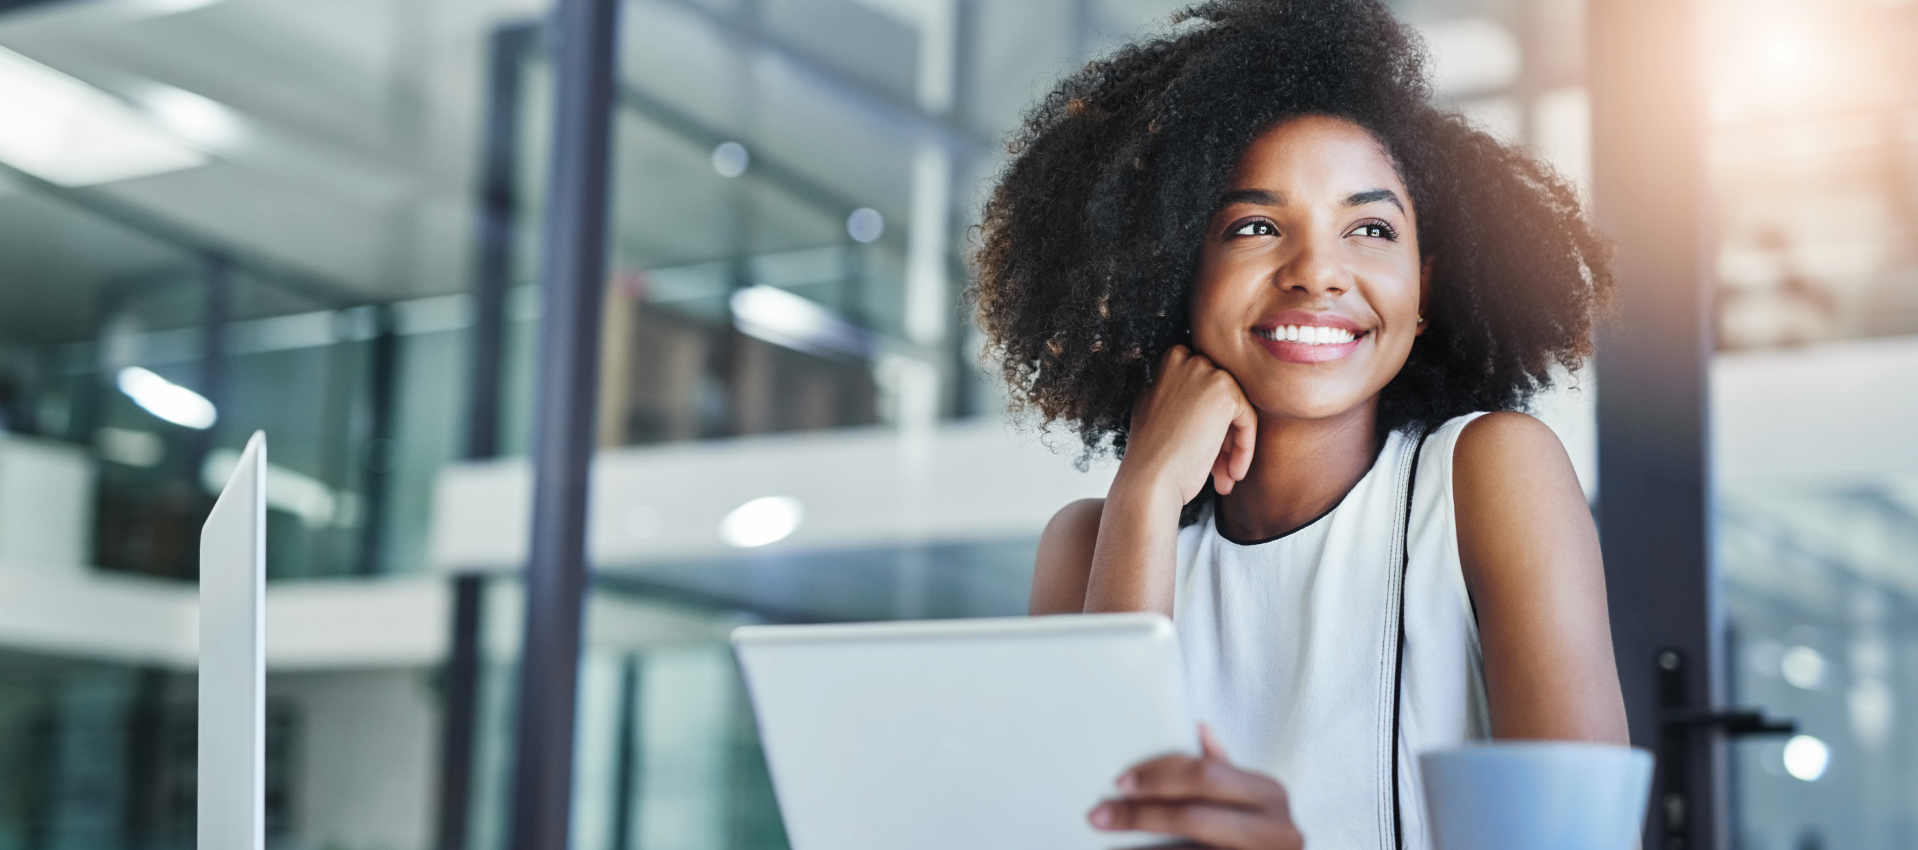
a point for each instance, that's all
(1309, 407)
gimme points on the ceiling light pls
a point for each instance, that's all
(1806, 757)
(796, 322)
(198, 119)
(730, 159)
(67, 132)
(1803, 667)
(865, 224)
(762, 521)
(166, 399)
(158, 8)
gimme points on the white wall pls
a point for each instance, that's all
(365, 755)
(322, 624)
(863, 487)
(46, 502)
(1817, 416)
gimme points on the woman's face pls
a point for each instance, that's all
(1310, 285)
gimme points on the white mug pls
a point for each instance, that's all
(1534, 795)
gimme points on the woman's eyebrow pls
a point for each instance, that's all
(1359, 199)
(1260, 197)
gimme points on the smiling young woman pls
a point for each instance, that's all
(1305, 308)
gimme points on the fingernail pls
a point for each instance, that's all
(1100, 816)
(1127, 784)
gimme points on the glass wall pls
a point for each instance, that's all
(218, 216)
(273, 225)
(1813, 151)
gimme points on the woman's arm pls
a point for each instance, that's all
(1117, 554)
(1531, 560)
(1065, 559)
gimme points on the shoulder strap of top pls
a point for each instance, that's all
(1398, 677)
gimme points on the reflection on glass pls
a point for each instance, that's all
(1811, 152)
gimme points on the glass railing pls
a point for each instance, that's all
(669, 756)
(1817, 520)
(1822, 614)
(152, 406)
(1811, 141)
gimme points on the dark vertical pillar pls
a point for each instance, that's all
(965, 383)
(462, 711)
(572, 280)
(378, 456)
(626, 765)
(1651, 191)
(144, 814)
(499, 208)
(216, 313)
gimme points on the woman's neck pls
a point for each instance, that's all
(1301, 468)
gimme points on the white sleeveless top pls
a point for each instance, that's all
(1291, 648)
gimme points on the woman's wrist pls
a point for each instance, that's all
(1143, 487)
(1133, 559)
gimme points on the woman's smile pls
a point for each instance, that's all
(1304, 336)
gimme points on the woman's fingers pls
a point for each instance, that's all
(1192, 423)
(1222, 478)
(1209, 824)
(1175, 778)
(1243, 436)
(1204, 799)
(1209, 746)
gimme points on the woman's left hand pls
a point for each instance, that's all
(1205, 799)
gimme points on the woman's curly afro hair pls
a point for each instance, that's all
(1090, 243)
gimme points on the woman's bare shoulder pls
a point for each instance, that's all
(1511, 478)
(1065, 558)
(1531, 561)
(1507, 436)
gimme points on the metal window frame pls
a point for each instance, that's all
(572, 278)
(1652, 196)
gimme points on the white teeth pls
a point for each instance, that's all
(1309, 334)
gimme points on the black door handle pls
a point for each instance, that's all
(1678, 720)
(1734, 721)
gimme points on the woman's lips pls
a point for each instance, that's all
(1307, 352)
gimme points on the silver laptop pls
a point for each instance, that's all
(232, 768)
(962, 733)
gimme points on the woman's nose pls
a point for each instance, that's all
(1314, 267)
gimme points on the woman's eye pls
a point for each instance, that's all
(1376, 230)
(1256, 227)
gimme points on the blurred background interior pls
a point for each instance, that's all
(321, 220)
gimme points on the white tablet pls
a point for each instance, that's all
(970, 734)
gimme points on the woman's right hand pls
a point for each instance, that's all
(1206, 799)
(1193, 421)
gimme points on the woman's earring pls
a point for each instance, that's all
(1421, 320)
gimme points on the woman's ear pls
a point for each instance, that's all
(1425, 291)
